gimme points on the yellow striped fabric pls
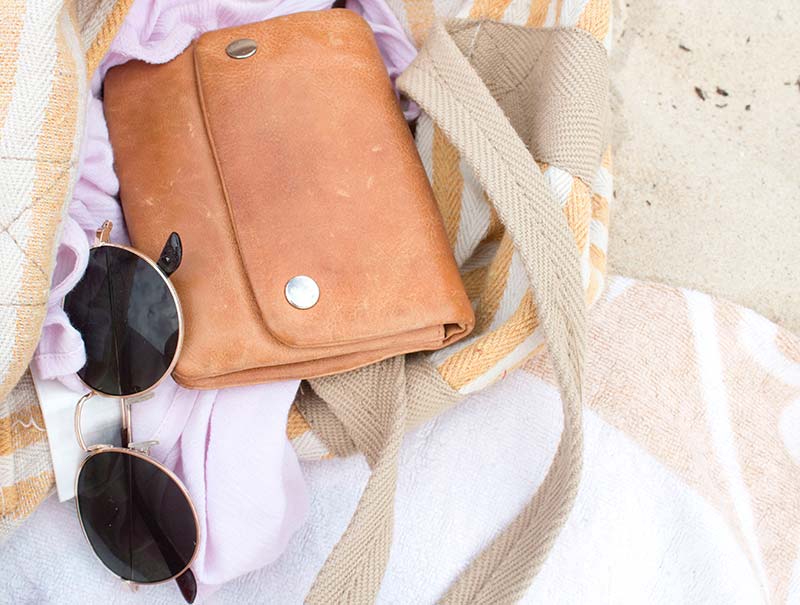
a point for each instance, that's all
(506, 315)
(47, 55)
(26, 475)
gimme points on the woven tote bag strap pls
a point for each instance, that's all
(444, 83)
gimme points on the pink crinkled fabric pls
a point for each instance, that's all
(228, 446)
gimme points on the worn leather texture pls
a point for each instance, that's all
(294, 161)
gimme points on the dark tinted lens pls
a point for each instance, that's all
(128, 318)
(136, 517)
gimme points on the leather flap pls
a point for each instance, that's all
(322, 179)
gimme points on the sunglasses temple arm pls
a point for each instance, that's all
(171, 255)
(187, 585)
(125, 429)
(186, 581)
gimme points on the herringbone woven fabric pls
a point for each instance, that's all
(454, 95)
(443, 82)
(372, 403)
(524, 68)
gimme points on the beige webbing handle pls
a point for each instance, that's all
(372, 403)
(447, 87)
(442, 81)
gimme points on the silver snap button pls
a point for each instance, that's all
(241, 49)
(302, 292)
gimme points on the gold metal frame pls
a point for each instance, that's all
(130, 449)
(101, 239)
(100, 449)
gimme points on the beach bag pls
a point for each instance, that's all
(500, 98)
(514, 139)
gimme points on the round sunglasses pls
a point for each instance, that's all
(135, 513)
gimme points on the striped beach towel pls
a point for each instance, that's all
(46, 54)
(26, 475)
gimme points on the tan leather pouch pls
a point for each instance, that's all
(293, 161)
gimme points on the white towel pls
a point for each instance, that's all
(636, 535)
(690, 490)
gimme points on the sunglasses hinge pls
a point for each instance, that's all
(143, 446)
(103, 234)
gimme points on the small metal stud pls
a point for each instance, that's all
(302, 292)
(241, 49)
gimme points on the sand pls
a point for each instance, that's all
(708, 192)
